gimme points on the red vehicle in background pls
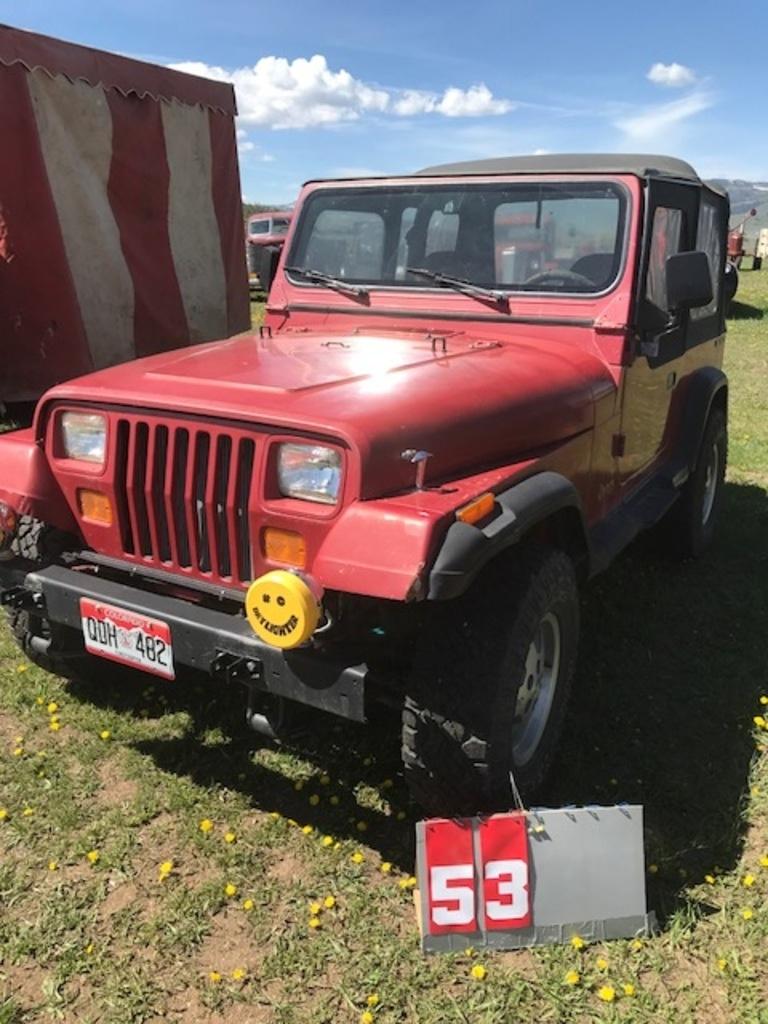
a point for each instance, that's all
(265, 236)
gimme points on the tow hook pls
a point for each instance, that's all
(249, 671)
(22, 600)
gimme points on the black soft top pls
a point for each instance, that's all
(642, 164)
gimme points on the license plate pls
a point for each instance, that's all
(127, 638)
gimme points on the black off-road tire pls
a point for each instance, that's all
(36, 542)
(460, 708)
(687, 531)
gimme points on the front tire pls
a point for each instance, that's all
(489, 687)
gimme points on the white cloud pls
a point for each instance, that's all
(674, 76)
(307, 93)
(654, 122)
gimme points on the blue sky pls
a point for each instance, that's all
(334, 88)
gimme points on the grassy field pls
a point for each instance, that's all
(157, 863)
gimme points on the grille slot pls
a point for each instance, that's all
(183, 497)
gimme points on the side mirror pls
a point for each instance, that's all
(689, 281)
(268, 260)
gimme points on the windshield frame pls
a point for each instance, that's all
(624, 222)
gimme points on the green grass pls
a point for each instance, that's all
(673, 663)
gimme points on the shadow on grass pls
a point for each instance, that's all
(671, 664)
(743, 311)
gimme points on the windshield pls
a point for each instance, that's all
(542, 237)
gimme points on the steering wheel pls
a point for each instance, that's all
(568, 276)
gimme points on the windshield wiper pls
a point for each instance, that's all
(330, 282)
(459, 284)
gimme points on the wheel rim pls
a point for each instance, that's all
(711, 473)
(537, 690)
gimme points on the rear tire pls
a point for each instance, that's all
(489, 687)
(691, 523)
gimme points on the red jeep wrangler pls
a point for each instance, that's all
(474, 387)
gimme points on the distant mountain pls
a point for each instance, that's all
(746, 195)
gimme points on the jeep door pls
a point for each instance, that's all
(665, 346)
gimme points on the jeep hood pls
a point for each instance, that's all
(471, 402)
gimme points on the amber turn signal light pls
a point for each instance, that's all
(477, 509)
(95, 506)
(285, 546)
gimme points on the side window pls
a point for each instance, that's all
(259, 227)
(709, 240)
(665, 241)
(343, 240)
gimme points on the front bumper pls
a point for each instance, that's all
(215, 642)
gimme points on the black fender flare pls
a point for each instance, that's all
(467, 549)
(705, 387)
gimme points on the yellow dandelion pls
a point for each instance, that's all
(722, 964)
(52, 708)
(314, 909)
(28, 812)
(357, 857)
(165, 869)
(229, 837)
(329, 902)
(22, 668)
(206, 825)
(386, 867)
(747, 913)
(230, 890)
(105, 734)
(577, 942)
(307, 830)
(478, 972)
(54, 726)
(601, 963)
(248, 904)
(572, 978)
(314, 922)
(607, 993)
(333, 800)
(407, 883)
(238, 974)
(709, 879)
(214, 977)
(93, 856)
(18, 751)
(327, 840)
(314, 800)
(53, 865)
(366, 1017)
(373, 999)
(748, 881)
(636, 945)
(760, 722)
(764, 861)
(38, 700)
(3, 813)
(763, 700)
(275, 815)
(89, 948)
(628, 989)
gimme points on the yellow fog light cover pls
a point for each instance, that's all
(282, 608)
(94, 506)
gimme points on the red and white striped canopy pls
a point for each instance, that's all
(121, 231)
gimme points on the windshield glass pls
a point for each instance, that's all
(542, 237)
